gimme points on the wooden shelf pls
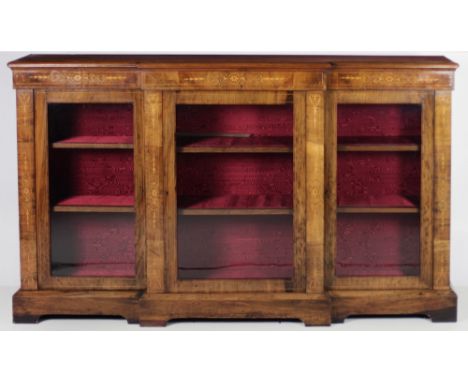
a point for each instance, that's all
(95, 142)
(94, 270)
(64, 145)
(234, 211)
(232, 143)
(343, 147)
(246, 149)
(93, 209)
(377, 210)
(95, 203)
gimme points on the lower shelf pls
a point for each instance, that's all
(94, 270)
(93, 141)
(97, 203)
(93, 244)
(384, 244)
(235, 247)
(234, 211)
(238, 271)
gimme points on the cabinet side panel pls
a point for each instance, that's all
(26, 188)
(42, 188)
(154, 192)
(441, 216)
(315, 120)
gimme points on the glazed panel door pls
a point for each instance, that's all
(379, 154)
(235, 214)
(90, 202)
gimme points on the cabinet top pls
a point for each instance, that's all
(233, 61)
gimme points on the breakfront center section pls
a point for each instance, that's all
(234, 192)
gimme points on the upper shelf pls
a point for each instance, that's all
(96, 203)
(233, 144)
(90, 125)
(379, 147)
(96, 142)
(234, 128)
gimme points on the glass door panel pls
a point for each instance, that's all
(378, 190)
(234, 169)
(91, 190)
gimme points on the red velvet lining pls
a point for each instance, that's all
(367, 123)
(263, 125)
(93, 244)
(93, 121)
(377, 245)
(235, 247)
(99, 139)
(388, 179)
(234, 180)
(95, 176)
(98, 200)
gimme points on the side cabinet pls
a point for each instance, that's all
(297, 187)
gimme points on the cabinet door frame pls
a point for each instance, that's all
(170, 100)
(426, 100)
(46, 280)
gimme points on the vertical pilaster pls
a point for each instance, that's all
(27, 188)
(154, 169)
(315, 153)
(441, 213)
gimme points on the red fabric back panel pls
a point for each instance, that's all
(93, 244)
(258, 120)
(264, 125)
(235, 247)
(377, 245)
(389, 179)
(91, 172)
(70, 120)
(368, 123)
(234, 180)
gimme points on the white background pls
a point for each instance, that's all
(242, 26)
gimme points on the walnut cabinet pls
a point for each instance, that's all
(234, 187)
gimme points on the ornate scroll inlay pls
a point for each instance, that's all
(36, 77)
(227, 79)
(269, 78)
(73, 77)
(392, 79)
(236, 78)
(195, 79)
(86, 77)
